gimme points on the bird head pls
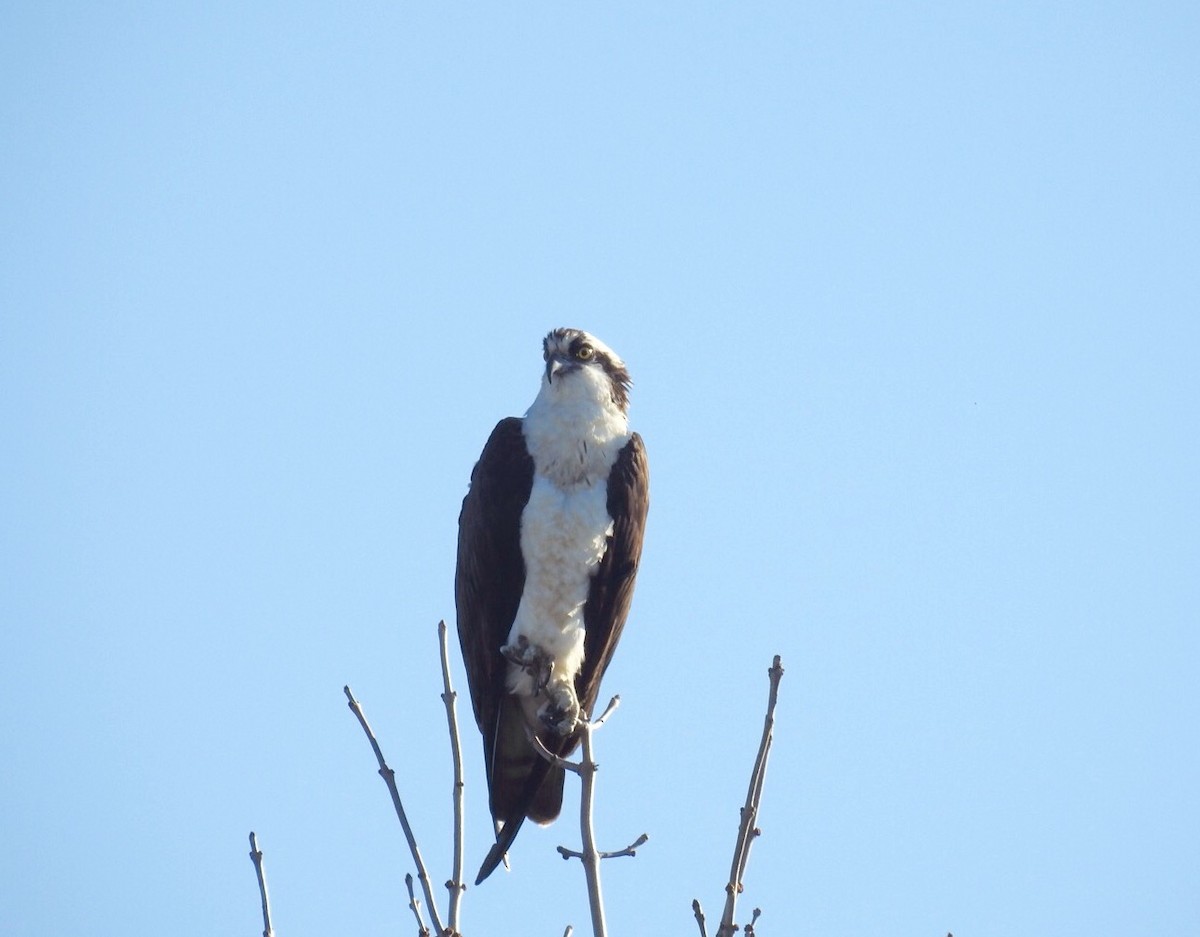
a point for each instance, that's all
(577, 361)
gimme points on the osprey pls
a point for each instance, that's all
(549, 540)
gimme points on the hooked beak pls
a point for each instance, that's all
(554, 365)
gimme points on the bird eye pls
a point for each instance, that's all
(585, 352)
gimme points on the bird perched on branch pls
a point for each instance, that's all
(549, 541)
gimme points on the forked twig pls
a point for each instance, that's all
(590, 856)
(456, 885)
(557, 760)
(256, 857)
(389, 778)
(630, 850)
(414, 903)
(747, 829)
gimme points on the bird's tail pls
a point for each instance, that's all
(541, 801)
(523, 784)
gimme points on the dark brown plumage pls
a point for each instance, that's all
(488, 585)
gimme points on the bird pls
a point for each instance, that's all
(549, 544)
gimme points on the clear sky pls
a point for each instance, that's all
(910, 297)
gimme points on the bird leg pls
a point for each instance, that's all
(530, 658)
(560, 713)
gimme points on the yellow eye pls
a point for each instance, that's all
(585, 352)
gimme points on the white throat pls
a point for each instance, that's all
(574, 429)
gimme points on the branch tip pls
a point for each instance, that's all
(608, 711)
(389, 778)
(748, 830)
(449, 697)
(256, 857)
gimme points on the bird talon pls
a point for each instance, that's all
(561, 712)
(531, 659)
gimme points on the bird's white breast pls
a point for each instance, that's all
(563, 538)
(565, 525)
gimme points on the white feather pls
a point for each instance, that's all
(574, 431)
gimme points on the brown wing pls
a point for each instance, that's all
(611, 590)
(490, 575)
(540, 794)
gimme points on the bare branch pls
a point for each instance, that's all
(630, 850)
(389, 778)
(747, 830)
(608, 711)
(256, 857)
(754, 916)
(590, 857)
(557, 760)
(456, 885)
(568, 931)
(415, 903)
(696, 910)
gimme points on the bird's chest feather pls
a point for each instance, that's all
(574, 440)
(563, 532)
(563, 539)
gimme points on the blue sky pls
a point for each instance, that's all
(909, 295)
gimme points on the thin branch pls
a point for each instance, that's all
(747, 830)
(456, 884)
(608, 711)
(630, 850)
(557, 761)
(590, 857)
(256, 857)
(586, 768)
(570, 930)
(696, 910)
(754, 916)
(415, 904)
(389, 778)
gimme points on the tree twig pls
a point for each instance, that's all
(456, 884)
(414, 903)
(389, 778)
(696, 910)
(747, 830)
(608, 711)
(256, 857)
(590, 856)
(630, 850)
(556, 760)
